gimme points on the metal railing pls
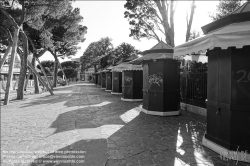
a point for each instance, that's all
(194, 84)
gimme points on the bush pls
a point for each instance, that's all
(63, 83)
(70, 73)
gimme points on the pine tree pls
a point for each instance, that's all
(224, 8)
(66, 34)
(124, 50)
(34, 18)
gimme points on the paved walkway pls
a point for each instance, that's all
(86, 126)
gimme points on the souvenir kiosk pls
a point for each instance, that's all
(103, 79)
(96, 78)
(161, 81)
(117, 76)
(227, 42)
(109, 79)
(116, 82)
(99, 79)
(131, 81)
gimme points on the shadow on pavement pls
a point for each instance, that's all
(145, 140)
(81, 153)
(112, 132)
(93, 113)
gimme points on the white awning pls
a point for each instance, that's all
(234, 35)
(126, 66)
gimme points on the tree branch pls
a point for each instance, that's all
(159, 18)
(23, 14)
(189, 23)
(156, 14)
(12, 3)
(10, 18)
(175, 5)
(8, 32)
(159, 28)
(156, 36)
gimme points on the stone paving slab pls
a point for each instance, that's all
(86, 126)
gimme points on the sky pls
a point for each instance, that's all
(106, 19)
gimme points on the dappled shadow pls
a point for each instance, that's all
(165, 141)
(142, 140)
(113, 132)
(93, 115)
(150, 140)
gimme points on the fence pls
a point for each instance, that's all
(194, 84)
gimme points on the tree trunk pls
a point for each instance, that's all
(17, 80)
(163, 7)
(63, 71)
(23, 71)
(36, 83)
(5, 55)
(172, 12)
(189, 23)
(55, 68)
(11, 66)
(27, 80)
(44, 73)
(40, 78)
(55, 73)
(95, 70)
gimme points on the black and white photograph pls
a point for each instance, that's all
(125, 82)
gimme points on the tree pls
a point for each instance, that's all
(105, 48)
(190, 20)
(145, 20)
(224, 8)
(124, 50)
(16, 25)
(98, 51)
(49, 38)
(89, 54)
(194, 34)
(48, 66)
(70, 65)
(70, 73)
(66, 35)
(5, 42)
(152, 19)
(32, 13)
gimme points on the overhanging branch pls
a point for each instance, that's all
(10, 18)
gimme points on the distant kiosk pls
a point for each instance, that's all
(227, 42)
(108, 81)
(96, 78)
(131, 81)
(117, 74)
(103, 79)
(132, 85)
(99, 80)
(106, 78)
